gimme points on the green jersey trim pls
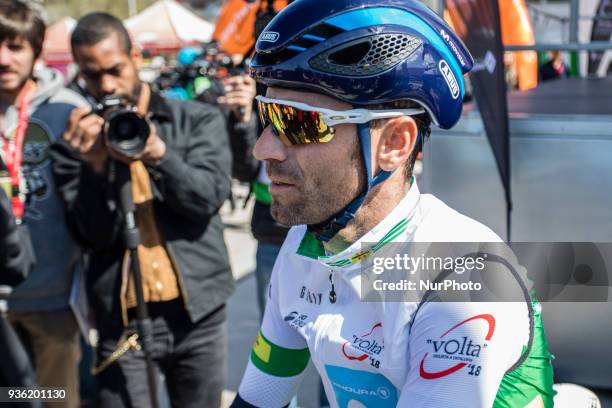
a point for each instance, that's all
(276, 360)
(312, 248)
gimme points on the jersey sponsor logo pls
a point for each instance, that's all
(452, 46)
(296, 320)
(448, 75)
(314, 298)
(382, 392)
(462, 349)
(269, 36)
(366, 345)
(354, 388)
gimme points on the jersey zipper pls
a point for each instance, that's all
(332, 293)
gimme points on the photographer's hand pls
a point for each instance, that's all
(154, 150)
(84, 134)
(239, 95)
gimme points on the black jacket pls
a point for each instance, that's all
(16, 254)
(189, 185)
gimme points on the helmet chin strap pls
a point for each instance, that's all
(328, 229)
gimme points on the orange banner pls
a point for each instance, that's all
(234, 32)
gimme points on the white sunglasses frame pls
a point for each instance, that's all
(333, 117)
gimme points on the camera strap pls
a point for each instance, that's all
(12, 148)
(144, 99)
(123, 346)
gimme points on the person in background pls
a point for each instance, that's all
(34, 111)
(555, 68)
(179, 181)
(235, 95)
(243, 130)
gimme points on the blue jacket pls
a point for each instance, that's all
(58, 256)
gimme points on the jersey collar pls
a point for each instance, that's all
(394, 225)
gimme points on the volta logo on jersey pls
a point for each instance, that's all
(369, 344)
(462, 350)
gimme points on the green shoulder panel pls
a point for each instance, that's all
(534, 377)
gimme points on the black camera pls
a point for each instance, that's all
(126, 130)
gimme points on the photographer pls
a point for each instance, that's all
(235, 95)
(180, 178)
(242, 124)
(212, 76)
(244, 129)
(204, 75)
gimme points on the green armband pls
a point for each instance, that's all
(276, 360)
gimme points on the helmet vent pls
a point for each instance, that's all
(376, 54)
(325, 31)
(273, 58)
(351, 55)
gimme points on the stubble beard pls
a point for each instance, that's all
(10, 92)
(322, 195)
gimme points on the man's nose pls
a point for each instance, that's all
(108, 84)
(269, 146)
(5, 55)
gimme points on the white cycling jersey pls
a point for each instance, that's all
(386, 354)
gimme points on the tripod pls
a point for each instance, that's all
(132, 239)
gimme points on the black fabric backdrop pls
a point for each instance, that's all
(477, 23)
(602, 31)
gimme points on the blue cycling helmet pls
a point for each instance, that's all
(366, 52)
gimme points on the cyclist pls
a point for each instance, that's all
(353, 86)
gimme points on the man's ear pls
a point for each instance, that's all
(136, 56)
(397, 141)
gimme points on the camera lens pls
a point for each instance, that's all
(128, 132)
(125, 129)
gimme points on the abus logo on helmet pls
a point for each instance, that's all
(269, 36)
(446, 71)
(462, 349)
